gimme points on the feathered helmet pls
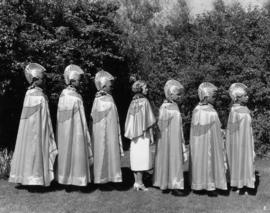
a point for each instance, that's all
(72, 72)
(33, 70)
(102, 78)
(206, 89)
(137, 86)
(172, 87)
(237, 90)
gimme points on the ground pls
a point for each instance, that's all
(124, 199)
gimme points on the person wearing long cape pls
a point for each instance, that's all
(207, 157)
(73, 138)
(240, 141)
(171, 152)
(138, 128)
(35, 150)
(106, 135)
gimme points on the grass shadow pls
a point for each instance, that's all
(83, 189)
(225, 193)
(187, 185)
(125, 185)
(128, 179)
(55, 186)
(148, 178)
(254, 191)
(40, 189)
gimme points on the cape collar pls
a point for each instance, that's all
(35, 87)
(137, 96)
(101, 93)
(69, 87)
(208, 105)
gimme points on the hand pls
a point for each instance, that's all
(122, 152)
(185, 156)
(185, 152)
(151, 136)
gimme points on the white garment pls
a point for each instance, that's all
(140, 156)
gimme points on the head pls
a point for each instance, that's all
(76, 83)
(73, 75)
(108, 86)
(104, 81)
(238, 93)
(39, 82)
(35, 74)
(174, 91)
(207, 93)
(140, 87)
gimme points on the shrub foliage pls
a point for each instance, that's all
(226, 45)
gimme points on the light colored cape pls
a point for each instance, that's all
(106, 137)
(35, 150)
(140, 118)
(240, 147)
(73, 139)
(207, 158)
(169, 156)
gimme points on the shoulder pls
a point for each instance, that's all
(105, 98)
(34, 92)
(140, 101)
(104, 102)
(170, 107)
(36, 95)
(240, 110)
(204, 109)
(72, 93)
(205, 112)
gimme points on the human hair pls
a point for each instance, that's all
(34, 79)
(137, 87)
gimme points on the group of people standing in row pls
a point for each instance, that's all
(93, 154)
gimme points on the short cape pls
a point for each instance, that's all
(140, 117)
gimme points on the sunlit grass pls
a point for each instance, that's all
(125, 199)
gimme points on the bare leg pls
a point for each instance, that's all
(135, 177)
(140, 185)
(139, 178)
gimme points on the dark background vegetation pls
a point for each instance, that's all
(226, 45)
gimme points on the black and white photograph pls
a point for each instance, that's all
(122, 106)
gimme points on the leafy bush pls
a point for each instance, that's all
(55, 34)
(223, 46)
(5, 160)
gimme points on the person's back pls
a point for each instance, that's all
(240, 141)
(208, 169)
(170, 154)
(106, 134)
(73, 138)
(35, 150)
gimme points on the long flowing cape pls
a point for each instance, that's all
(207, 158)
(169, 156)
(106, 139)
(140, 118)
(240, 147)
(73, 138)
(35, 150)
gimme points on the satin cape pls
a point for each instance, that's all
(106, 137)
(73, 138)
(206, 146)
(169, 160)
(140, 117)
(240, 147)
(35, 150)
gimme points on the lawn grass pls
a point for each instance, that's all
(124, 199)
